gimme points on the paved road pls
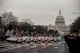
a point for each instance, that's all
(43, 48)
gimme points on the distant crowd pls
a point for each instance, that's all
(16, 32)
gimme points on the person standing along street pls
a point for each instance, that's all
(73, 42)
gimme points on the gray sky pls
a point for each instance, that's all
(41, 12)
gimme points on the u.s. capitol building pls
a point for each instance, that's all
(60, 25)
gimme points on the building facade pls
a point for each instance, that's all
(60, 25)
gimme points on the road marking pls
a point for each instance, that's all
(56, 47)
(8, 49)
(33, 46)
(17, 46)
(35, 52)
(45, 46)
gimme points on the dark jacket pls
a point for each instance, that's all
(73, 44)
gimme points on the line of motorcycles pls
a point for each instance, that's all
(27, 39)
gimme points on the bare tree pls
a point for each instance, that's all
(76, 24)
(8, 18)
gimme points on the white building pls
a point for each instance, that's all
(60, 25)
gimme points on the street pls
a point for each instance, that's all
(39, 48)
(39, 26)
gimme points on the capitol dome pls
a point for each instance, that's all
(60, 18)
(60, 25)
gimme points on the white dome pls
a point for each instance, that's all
(60, 19)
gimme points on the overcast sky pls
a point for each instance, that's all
(41, 12)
